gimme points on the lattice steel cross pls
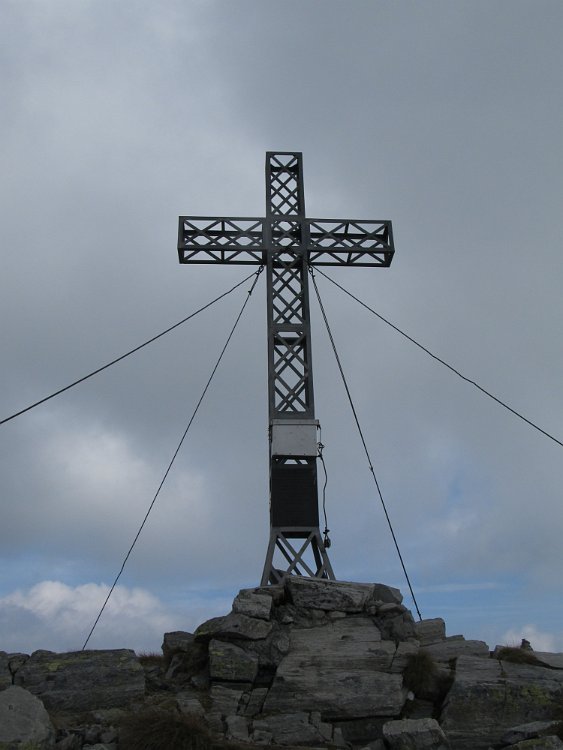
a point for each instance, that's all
(287, 243)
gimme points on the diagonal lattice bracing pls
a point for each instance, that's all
(286, 234)
(287, 290)
(307, 558)
(352, 243)
(232, 240)
(290, 373)
(284, 185)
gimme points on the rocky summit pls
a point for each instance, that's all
(310, 663)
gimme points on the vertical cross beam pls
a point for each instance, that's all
(287, 243)
(294, 513)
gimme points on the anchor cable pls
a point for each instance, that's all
(123, 356)
(214, 370)
(442, 362)
(360, 431)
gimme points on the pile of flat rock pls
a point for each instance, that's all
(308, 663)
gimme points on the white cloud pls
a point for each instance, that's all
(52, 615)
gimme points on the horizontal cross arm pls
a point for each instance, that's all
(207, 239)
(333, 242)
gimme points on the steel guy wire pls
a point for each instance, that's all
(442, 362)
(214, 370)
(123, 356)
(360, 431)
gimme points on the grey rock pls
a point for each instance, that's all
(16, 661)
(338, 738)
(374, 745)
(338, 694)
(293, 729)
(83, 680)
(329, 668)
(396, 627)
(237, 728)
(70, 742)
(253, 604)
(391, 607)
(335, 670)
(353, 643)
(415, 734)
(404, 651)
(261, 734)
(336, 615)
(24, 721)
(299, 617)
(528, 731)
(215, 722)
(188, 703)
(451, 648)
(420, 709)
(233, 627)
(229, 662)
(178, 640)
(313, 593)
(187, 659)
(225, 700)
(555, 661)
(325, 729)
(255, 702)
(430, 631)
(488, 697)
(549, 742)
(360, 732)
(261, 737)
(5, 674)
(386, 594)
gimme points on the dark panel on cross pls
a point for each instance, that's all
(287, 244)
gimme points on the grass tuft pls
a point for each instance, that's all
(517, 655)
(158, 729)
(150, 658)
(420, 672)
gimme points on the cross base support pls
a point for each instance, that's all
(306, 559)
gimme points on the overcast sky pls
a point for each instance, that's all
(445, 117)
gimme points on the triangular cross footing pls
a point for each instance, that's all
(295, 551)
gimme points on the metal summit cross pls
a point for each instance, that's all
(287, 243)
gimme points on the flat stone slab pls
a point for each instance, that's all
(452, 648)
(489, 697)
(551, 742)
(228, 662)
(529, 731)
(415, 734)
(337, 669)
(175, 642)
(313, 593)
(291, 729)
(83, 680)
(551, 660)
(253, 604)
(225, 700)
(430, 631)
(233, 627)
(24, 722)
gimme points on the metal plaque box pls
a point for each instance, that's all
(295, 438)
